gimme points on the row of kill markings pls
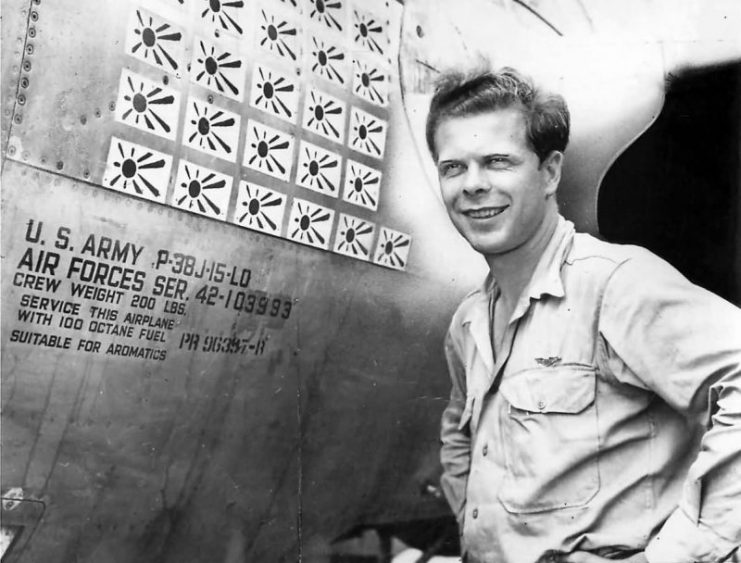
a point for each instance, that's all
(144, 172)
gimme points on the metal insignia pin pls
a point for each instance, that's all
(548, 362)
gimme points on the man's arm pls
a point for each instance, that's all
(455, 453)
(684, 343)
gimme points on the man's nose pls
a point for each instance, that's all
(475, 181)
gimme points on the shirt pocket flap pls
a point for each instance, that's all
(563, 389)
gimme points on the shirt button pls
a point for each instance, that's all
(541, 405)
(485, 450)
(475, 513)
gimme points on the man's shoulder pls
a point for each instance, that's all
(590, 254)
(622, 266)
(589, 248)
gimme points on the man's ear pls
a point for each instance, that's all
(551, 170)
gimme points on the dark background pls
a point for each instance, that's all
(676, 190)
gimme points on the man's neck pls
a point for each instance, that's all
(513, 269)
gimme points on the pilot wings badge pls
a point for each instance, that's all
(548, 362)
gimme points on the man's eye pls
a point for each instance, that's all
(450, 169)
(497, 162)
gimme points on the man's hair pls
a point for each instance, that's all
(461, 95)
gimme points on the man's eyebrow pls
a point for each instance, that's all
(510, 157)
(497, 155)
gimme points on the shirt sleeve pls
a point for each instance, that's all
(455, 453)
(684, 343)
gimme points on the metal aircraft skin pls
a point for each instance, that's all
(226, 270)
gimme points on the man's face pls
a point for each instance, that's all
(492, 183)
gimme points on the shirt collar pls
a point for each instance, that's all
(546, 278)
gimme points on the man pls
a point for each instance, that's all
(595, 411)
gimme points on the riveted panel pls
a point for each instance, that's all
(194, 365)
(202, 283)
(243, 89)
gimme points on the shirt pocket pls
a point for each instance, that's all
(550, 438)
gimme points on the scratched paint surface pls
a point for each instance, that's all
(194, 429)
(92, 420)
(218, 84)
(178, 383)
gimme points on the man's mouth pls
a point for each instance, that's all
(485, 212)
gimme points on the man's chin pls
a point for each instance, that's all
(489, 248)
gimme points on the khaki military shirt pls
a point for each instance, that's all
(611, 421)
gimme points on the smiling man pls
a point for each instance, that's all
(595, 411)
